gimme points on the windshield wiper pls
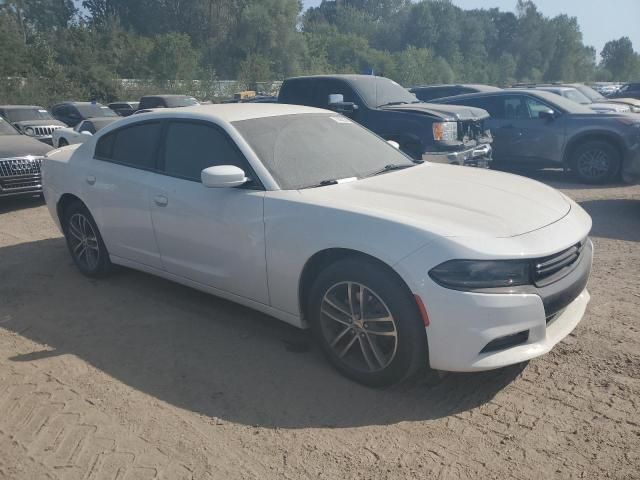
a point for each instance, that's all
(390, 104)
(332, 181)
(391, 167)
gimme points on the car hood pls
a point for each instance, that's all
(450, 200)
(629, 101)
(39, 123)
(618, 107)
(21, 146)
(448, 112)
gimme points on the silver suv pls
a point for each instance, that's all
(31, 120)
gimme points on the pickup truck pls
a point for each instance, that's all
(441, 133)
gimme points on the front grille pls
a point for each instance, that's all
(470, 130)
(549, 269)
(10, 185)
(44, 131)
(14, 167)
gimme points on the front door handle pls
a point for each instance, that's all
(161, 200)
(91, 179)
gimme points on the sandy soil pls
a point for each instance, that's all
(134, 377)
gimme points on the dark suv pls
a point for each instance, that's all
(72, 113)
(542, 129)
(166, 101)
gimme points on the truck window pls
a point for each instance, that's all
(298, 92)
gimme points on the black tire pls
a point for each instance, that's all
(62, 143)
(390, 359)
(595, 162)
(84, 241)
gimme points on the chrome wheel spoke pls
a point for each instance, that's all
(366, 354)
(335, 318)
(381, 334)
(349, 345)
(340, 336)
(376, 351)
(335, 305)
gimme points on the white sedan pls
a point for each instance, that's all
(305, 215)
(78, 134)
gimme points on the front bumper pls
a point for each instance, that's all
(483, 330)
(479, 156)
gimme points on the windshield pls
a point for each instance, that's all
(102, 122)
(6, 129)
(380, 91)
(24, 114)
(591, 94)
(95, 110)
(576, 96)
(173, 102)
(307, 149)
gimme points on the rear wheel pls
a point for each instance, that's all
(595, 162)
(367, 323)
(85, 242)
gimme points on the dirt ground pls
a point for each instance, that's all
(134, 377)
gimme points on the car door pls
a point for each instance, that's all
(213, 236)
(117, 191)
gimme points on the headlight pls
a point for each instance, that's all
(474, 274)
(445, 131)
(29, 131)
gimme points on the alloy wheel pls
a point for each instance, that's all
(593, 164)
(359, 327)
(83, 241)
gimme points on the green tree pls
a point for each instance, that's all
(172, 57)
(619, 58)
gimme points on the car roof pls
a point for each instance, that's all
(77, 103)
(478, 86)
(229, 112)
(21, 107)
(172, 95)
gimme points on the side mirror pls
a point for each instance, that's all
(394, 144)
(223, 176)
(337, 104)
(547, 115)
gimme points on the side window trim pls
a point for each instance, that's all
(115, 133)
(255, 184)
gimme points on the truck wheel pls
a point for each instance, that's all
(595, 162)
(367, 323)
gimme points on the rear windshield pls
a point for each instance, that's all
(95, 110)
(307, 149)
(6, 129)
(25, 114)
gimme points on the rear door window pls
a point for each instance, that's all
(135, 145)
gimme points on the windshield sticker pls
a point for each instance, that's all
(340, 120)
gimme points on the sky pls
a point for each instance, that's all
(600, 21)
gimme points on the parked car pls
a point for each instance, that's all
(628, 90)
(73, 113)
(124, 109)
(20, 160)
(426, 93)
(575, 95)
(541, 129)
(597, 97)
(166, 101)
(606, 88)
(301, 213)
(31, 120)
(439, 133)
(82, 131)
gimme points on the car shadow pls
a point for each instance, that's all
(12, 204)
(617, 219)
(204, 354)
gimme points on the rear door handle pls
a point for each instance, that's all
(91, 179)
(161, 200)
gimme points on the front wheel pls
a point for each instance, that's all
(595, 162)
(85, 242)
(367, 323)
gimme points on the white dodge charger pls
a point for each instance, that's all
(307, 216)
